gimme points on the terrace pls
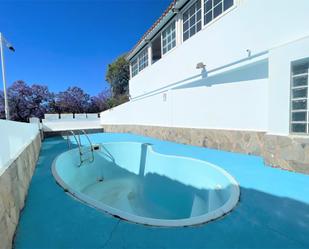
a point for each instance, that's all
(202, 143)
(272, 211)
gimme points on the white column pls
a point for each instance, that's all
(178, 24)
(149, 54)
(6, 105)
(130, 69)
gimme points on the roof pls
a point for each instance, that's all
(162, 20)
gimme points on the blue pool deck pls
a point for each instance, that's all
(273, 211)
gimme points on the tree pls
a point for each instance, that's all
(113, 102)
(40, 100)
(74, 99)
(28, 101)
(19, 96)
(2, 112)
(118, 75)
(53, 105)
(34, 101)
(99, 103)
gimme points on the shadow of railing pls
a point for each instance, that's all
(202, 76)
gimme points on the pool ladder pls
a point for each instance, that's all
(81, 151)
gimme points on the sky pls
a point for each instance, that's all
(69, 42)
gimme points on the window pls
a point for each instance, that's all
(143, 59)
(156, 49)
(134, 67)
(214, 8)
(299, 98)
(140, 62)
(169, 38)
(192, 22)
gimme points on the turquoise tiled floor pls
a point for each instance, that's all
(273, 211)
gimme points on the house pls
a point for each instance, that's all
(225, 74)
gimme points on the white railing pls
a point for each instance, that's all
(52, 117)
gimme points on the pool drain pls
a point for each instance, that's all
(100, 179)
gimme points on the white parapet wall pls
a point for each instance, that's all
(19, 151)
(15, 137)
(70, 121)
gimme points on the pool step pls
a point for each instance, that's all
(199, 206)
(211, 201)
(215, 197)
(88, 152)
(119, 193)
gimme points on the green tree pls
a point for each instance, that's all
(118, 75)
(118, 100)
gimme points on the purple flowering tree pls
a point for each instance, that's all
(34, 101)
(39, 100)
(19, 96)
(99, 103)
(27, 101)
(74, 100)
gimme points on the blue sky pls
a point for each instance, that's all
(66, 43)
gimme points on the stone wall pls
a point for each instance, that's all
(14, 183)
(286, 152)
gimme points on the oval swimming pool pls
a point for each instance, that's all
(138, 184)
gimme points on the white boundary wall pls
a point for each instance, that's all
(15, 137)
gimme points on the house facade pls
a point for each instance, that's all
(226, 74)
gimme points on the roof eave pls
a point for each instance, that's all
(148, 36)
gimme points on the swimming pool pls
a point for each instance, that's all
(133, 181)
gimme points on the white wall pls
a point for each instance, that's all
(147, 111)
(234, 99)
(254, 24)
(15, 137)
(228, 106)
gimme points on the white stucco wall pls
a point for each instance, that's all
(148, 111)
(257, 25)
(227, 106)
(15, 137)
(234, 99)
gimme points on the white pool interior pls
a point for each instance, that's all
(131, 180)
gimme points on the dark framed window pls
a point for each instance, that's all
(214, 8)
(299, 98)
(192, 20)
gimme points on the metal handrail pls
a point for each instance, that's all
(68, 142)
(91, 147)
(79, 147)
(107, 153)
(79, 144)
